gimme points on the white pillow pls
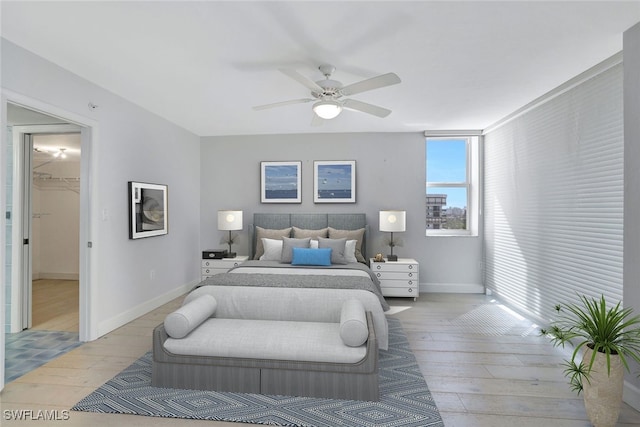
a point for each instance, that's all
(350, 251)
(272, 249)
(313, 244)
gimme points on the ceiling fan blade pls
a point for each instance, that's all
(315, 87)
(283, 103)
(370, 84)
(352, 104)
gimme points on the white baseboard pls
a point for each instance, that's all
(123, 318)
(452, 288)
(56, 276)
(631, 395)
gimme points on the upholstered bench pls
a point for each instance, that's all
(193, 349)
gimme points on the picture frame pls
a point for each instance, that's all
(281, 182)
(334, 181)
(148, 210)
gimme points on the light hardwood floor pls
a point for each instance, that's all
(55, 305)
(485, 365)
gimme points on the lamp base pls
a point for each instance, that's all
(230, 255)
(392, 257)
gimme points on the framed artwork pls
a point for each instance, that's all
(334, 181)
(148, 210)
(280, 182)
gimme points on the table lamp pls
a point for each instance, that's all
(230, 221)
(392, 221)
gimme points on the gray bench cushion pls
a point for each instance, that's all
(267, 339)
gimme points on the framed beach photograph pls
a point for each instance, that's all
(334, 181)
(148, 210)
(280, 182)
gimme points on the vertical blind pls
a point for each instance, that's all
(554, 199)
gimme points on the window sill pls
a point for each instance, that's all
(450, 233)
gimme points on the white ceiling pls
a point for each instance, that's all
(48, 145)
(203, 65)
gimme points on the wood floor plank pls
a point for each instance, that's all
(55, 305)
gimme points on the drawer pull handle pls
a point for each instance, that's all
(410, 289)
(410, 266)
(378, 274)
(378, 267)
(411, 282)
(207, 271)
(410, 274)
(235, 264)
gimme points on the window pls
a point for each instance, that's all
(451, 193)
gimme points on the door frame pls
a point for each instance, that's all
(21, 265)
(88, 327)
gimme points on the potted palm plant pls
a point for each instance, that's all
(607, 337)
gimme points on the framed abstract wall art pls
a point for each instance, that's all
(148, 210)
(280, 182)
(334, 181)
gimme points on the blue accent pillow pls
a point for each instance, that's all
(308, 256)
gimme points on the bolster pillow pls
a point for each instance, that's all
(353, 323)
(185, 319)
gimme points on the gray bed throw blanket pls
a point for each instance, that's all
(296, 281)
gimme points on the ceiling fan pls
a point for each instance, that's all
(328, 94)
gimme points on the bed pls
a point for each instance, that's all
(274, 266)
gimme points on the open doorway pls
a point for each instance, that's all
(43, 238)
(55, 231)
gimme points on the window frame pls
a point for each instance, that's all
(471, 183)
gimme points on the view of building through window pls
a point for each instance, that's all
(447, 183)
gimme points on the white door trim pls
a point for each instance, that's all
(89, 135)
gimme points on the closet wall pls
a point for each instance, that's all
(56, 211)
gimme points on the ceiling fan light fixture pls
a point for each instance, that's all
(327, 109)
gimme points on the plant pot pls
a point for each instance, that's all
(602, 392)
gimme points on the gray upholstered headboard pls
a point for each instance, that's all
(311, 221)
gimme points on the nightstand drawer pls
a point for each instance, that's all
(392, 266)
(401, 292)
(211, 271)
(398, 283)
(396, 275)
(226, 263)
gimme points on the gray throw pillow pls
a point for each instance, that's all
(337, 249)
(287, 247)
(350, 235)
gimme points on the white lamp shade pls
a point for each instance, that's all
(229, 220)
(327, 109)
(393, 221)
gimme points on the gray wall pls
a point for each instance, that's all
(390, 174)
(130, 144)
(632, 190)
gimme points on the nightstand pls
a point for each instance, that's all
(397, 278)
(211, 267)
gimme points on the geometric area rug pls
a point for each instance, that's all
(405, 400)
